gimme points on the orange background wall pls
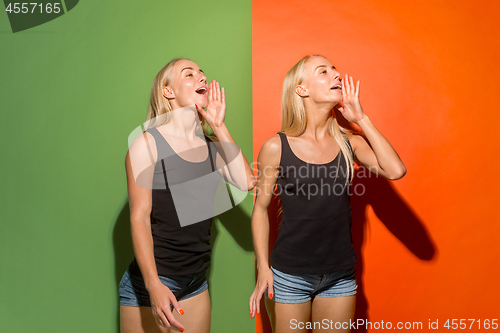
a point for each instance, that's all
(427, 244)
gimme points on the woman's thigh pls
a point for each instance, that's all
(334, 313)
(197, 313)
(138, 319)
(196, 317)
(288, 317)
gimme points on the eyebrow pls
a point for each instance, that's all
(333, 67)
(191, 68)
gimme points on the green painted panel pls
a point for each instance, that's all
(71, 91)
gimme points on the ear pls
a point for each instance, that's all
(168, 92)
(301, 91)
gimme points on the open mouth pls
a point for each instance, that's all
(201, 90)
(336, 87)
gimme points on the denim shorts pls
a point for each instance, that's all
(133, 292)
(302, 288)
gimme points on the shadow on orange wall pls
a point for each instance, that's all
(399, 219)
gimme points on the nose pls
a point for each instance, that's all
(336, 76)
(203, 78)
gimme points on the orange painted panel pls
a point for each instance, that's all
(429, 71)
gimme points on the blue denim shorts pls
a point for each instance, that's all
(302, 288)
(133, 292)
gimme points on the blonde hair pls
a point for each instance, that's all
(159, 104)
(294, 116)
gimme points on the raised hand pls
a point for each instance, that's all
(216, 109)
(351, 108)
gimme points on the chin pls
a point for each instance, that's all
(337, 101)
(333, 102)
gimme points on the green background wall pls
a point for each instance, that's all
(71, 92)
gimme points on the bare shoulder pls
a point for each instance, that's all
(143, 146)
(356, 141)
(270, 153)
(272, 145)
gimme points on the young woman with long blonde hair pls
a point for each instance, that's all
(171, 186)
(310, 161)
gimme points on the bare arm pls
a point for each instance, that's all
(140, 208)
(268, 162)
(380, 158)
(236, 171)
(137, 161)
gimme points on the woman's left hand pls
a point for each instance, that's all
(216, 109)
(351, 108)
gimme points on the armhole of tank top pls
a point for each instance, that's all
(282, 139)
(350, 147)
(150, 131)
(213, 159)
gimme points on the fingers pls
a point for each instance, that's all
(344, 89)
(270, 289)
(165, 318)
(176, 305)
(255, 301)
(348, 86)
(217, 90)
(261, 292)
(251, 304)
(351, 84)
(160, 318)
(211, 91)
(170, 315)
(223, 103)
(173, 321)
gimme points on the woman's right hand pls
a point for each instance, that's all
(264, 281)
(161, 297)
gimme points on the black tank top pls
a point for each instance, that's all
(180, 250)
(315, 232)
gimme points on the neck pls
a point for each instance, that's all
(317, 119)
(184, 123)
